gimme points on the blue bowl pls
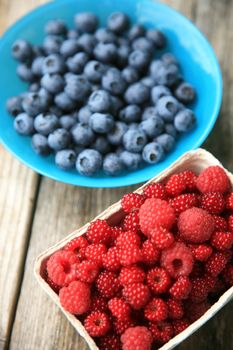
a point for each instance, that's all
(198, 63)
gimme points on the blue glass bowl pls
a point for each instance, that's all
(198, 63)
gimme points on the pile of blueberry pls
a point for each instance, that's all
(98, 98)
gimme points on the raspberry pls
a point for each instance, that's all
(95, 252)
(177, 260)
(156, 212)
(184, 202)
(129, 254)
(110, 342)
(156, 310)
(222, 240)
(229, 201)
(111, 260)
(210, 281)
(136, 338)
(179, 326)
(76, 298)
(216, 263)
(195, 225)
(131, 274)
(162, 332)
(107, 284)
(132, 201)
(98, 303)
(150, 255)
(97, 324)
(120, 326)
(228, 275)
(161, 237)
(126, 238)
(62, 266)
(131, 221)
(195, 310)
(220, 223)
(99, 232)
(87, 271)
(199, 290)
(181, 288)
(136, 294)
(116, 231)
(175, 185)
(53, 285)
(213, 202)
(77, 246)
(175, 309)
(201, 252)
(155, 190)
(219, 287)
(230, 223)
(119, 308)
(158, 280)
(189, 178)
(213, 179)
(197, 270)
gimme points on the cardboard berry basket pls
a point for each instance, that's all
(193, 160)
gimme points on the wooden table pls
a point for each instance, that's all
(36, 212)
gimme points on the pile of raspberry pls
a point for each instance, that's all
(138, 284)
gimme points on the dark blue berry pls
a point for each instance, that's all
(130, 114)
(115, 136)
(55, 110)
(64, 102)
(53, 64)
(136, 31)
(87, 43)
(166, 141)
(59, 139)
(84, 114)
(25, 73)
(185, 93)
(117, 105)
(82, 134)
(38, 51)
(22, 50)
(37, 65)
(101, 145)
(46, 123)
(89, 162)
(112, 164)
(100, 101)
(77, 63)
(40, 144)
(123, 55)
(56, 27)
(69, 48)
(52, 44)
(159, 91)
(33, 104)
(157, 37)
(167, 107)
(134, 140)
(94, 71)
(144, 45)
(106, 53)
(148, 81)
(130, 75)
(149, 112)
(118, 22)
(14, 105)
(169, 59)
(54, 83)
(101, 123)
(153, 153)
(34, 87)
(78, 88)
(24, 124)
(73, 34)
(170, 129)
(139, 59)
(131, 160)
(185, 120)
(45, 97)
(105, 36)
(86, 22)
(65, 159)
(164, 74)
(152, 126)
(137, 93)
(67, 121)
(113, 82)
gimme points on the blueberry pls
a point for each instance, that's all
(55, 110)
(137, 93)
(130, 114)
(65, 159)
(101, 123)
(82, 134)
(45, 123)
(139, 59)
(77, 63)
(67, 121)
(167, 107)
(25, 73)
(105, 36)
(23, 124)
(22, 50)
(89, 162)
(78, 149)
(78, 88)
(56, 27)
(54, 83)
(73, 34)
(130, 75)
(38, 51)
(136, 31)
(185, 120)
(87, 43)
(144, 45)
(34, 87)
(113, 82)
(185, 93)
(117, 105)
(45, 97)
(14, 105)
(69, 48)
(64, 102)
(118, 22)
(131, 160)
(166, 141)
(40, 144)
(149, 112)
(94, 71)
(53, 64)
(33, 104)
(84, 114)
(37, 66)
(112, 164)
(153, 153)
(169, 59)
(101, 145)
(159, 91)
(171, 130)
(106, 53)
(52, 44)
(157, 37)
(134, 140)
(152, 127)
(133, 126)
(119, 150)
(164, 74)
(123, 55)
(59, 139)
(148, 81)
(86, 22)
(100, 101)
(115, 136)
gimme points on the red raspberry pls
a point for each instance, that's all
(158, 280)
(156, 310)
(62, 267)
(219, 287)
(213, 202)
(150, 255)
(87, 271)
(98, 303)
(210, 281)
(227, 275)
(156, 212)
(119, 308)
(120, 326)
(175, 309)
(155, 190)
(181, 288)
(201, 252)
(175, 185)
(195, 310)
(230, 223)
(195, 225)
(131, 274)
(184, 202)
(213, 179)
(126, 238)
(222, 240)
(129, 254)
(220, 223)
(197, 270)
(77, 246)
(110, 342)
(179, 326)
(162, 332)
(99, 232)
(161, 237)
(229, 201)
(116, 231)
(107, 284)
(76, 298)
(136, 294)
(136, 338)
(132, 201)
(111, 260)
(199, 290)
(216, 263)
(95, 252)
(53, 285)
(131, 221)
(190, 178)
(177, 260)
(97, 324)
